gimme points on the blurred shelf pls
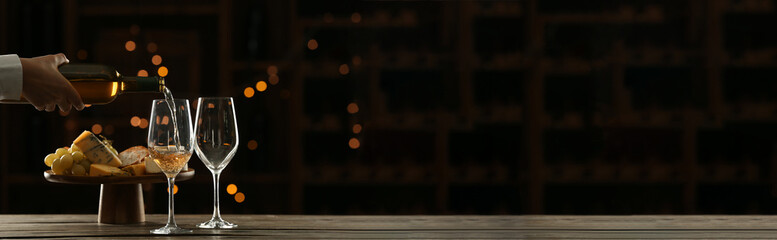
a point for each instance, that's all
(365, 22)
(369, 175)
(652, 15)
(574, 173)
(143, 9)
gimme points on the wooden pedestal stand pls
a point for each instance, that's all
(121, 198)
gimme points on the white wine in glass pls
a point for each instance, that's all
(216, 143)
(170, 144)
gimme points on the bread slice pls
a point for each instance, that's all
(133, 155)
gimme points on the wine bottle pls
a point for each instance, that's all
(100, 84)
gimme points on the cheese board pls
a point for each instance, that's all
(121, 197)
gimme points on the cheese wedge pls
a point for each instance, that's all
(97, 170)
(95, 150)
(151, 166)
(135, 169)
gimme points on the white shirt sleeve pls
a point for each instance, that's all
(10, 77)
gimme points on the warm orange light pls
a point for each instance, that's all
(70, 124)
(87, 105)
(130, 46)
(252, 145)
(356, 17)
(354, 143)
(175, 189)
(156, 59)
(240, 197)
(82, 54)
(134, 29)
(273, 79)
(162, 71)
(143, 123)
(211, 105)
(357, 128)
(142, 73)
(135, 121)
(328, 18)
(272, 70)
(114, 88)
(356, 60)
(353, 108)
(344, 69)
(165, 120)
(61, 113)
(108, 129)
(97, 128)
(248, 92)
(151, 47)
(261, 86)
(312, 44)
(231, 189)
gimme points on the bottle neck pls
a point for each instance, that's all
(142, 84)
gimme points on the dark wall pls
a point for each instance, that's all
(464, 107)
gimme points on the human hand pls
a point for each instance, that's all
(45, 87)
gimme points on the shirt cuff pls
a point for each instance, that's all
(10, 77)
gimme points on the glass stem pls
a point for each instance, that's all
(170, 208)
(216, 211)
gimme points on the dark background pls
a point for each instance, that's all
(467, 107)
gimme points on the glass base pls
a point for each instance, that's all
(216, 223)
(170, 230)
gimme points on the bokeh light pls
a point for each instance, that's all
(231, 189)
(162, 71)
(151, 47)
(312, 44)
(129, 46)
(252, 145)
(272, 70)
(354, 143)
(175, 189)
(135, 121)
(261, 86)
(353, 108)
(248, 92)
(143, 123)
(344, 69)
(240, 197)
(356, 17)
(97, 128)
(156, 59)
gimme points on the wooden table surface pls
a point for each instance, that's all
(405, 227)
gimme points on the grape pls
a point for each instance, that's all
(78, 170)
(74, 148)
(57, 167)
(66, 161)
(86, 165)
(60, 152)
(49, 159)
(77, 156)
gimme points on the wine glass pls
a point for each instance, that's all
(170, 144)
(216, 137)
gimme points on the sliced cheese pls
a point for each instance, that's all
(151, 166)
(95, 150)
(135, 169)
(96, 170)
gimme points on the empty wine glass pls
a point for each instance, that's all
(170, 145)
(216, 137)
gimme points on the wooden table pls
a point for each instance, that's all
(405, 227)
